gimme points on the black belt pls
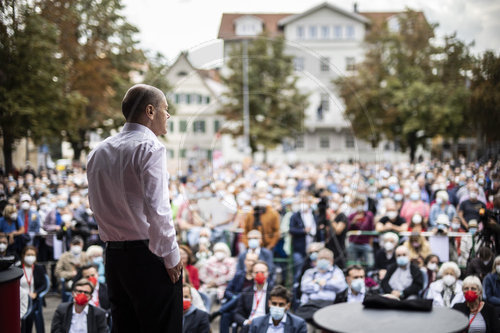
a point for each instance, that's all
(122, 245)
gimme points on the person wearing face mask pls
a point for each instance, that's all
(70, 261)
(417, 246)
(204, 247)
(100, 294)
(320, 285)
(266, 219)
(254, 238)
(469, 208)
(492, 285)
(429, 268)
(403, 280)
(254, 300)
(415, 206)
(357, 287)
(391, 221)
(217, 272)
(447, 291)
(360, 247)
(482, 317)
(4, 245)
(385, 255)
(279, 318)
(188, 263)
(33, 283)
(95, 254)
(78, 315)
(441, 206)
(193, 319)
(25, 216)
(10, 226)
(482, 264)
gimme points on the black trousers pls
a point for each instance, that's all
(143, 298)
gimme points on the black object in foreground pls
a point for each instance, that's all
(381, 302)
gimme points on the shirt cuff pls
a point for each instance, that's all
(172, 259)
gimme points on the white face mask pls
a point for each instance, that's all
(29, 260)
(449, 280)
(3, 247)
(76, 250)
(220, 255)
(498, 269)
(388, 246)
(66, 218)
(417, 219)
(13, 216)
(25, 205)
(432, 266)
(392, 214)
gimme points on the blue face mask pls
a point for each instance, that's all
(276, 312)
(98, 260)
(253, 243)
(472, 231)
(323, 264)
(357, 285)
(313, 256)
(314, 207)
(402, 261)
(61, 203)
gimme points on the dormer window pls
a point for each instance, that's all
(182, 73)
(248, 25)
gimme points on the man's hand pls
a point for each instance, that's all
(396, 293)
(175, 272)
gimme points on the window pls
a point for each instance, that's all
(182, 73)
(325, 102)
(298, 64)
(209, 154)
(349, 32)
(325, 32)
(324, 142)
(199, 126)
(170, 153)
(216, 126)
(188, 99)
(177, 98)
(171, 126)
(349, 64)
(337, 31)
(300, 32)
(299, 142)
(313, 32)
(182, 153)
(199, 99)
(207, 99)
(183, 126)
(349, 141)
(325, 64)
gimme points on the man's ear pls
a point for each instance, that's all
(150, 111)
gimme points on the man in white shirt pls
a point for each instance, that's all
(129, 195)
(79, 316)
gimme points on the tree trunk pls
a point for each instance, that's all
(412, 144)
(77, 150)
(7, 152)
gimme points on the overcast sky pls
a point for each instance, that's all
(171, 26)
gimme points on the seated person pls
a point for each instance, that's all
(357, 288)
(4, 247)
(193, 319)
(100, 294)
(447, 291)
(324, 281)
(391, 221)
(385, 255)
(95, 256)
(482, 264)
(195, 295)
(403, 279)
(78, 315)
(255, 246)
(188, 264)
(254, 300)
(70, 261)
(492, 285)
(279, 318)
(418, 246)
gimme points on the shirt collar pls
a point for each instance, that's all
(135, 127)
(264, 289)
(190, 310)
(85, 309)
(282, 321)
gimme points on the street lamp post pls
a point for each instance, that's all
(246, 111)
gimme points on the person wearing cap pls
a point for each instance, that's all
(28, 218)
(129, 194)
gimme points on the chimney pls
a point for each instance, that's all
(355, 7)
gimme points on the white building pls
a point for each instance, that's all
(326, 42)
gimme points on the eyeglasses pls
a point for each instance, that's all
(88, 293)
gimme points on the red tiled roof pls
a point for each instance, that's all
(226, 30)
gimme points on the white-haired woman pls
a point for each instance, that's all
(447, 291)
(95, 255)
(483, 317)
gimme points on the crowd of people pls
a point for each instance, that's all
(330, 232)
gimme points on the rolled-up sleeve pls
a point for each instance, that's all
(162, 239)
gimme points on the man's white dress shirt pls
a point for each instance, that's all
(79, 321)
(128, 191)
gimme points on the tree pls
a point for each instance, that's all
(98, 50)
(485, 99)
(407, 89)
(30, 90)
(276, 107)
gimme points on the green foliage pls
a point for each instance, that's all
(30, 89)
(408, 89)
(276, 106)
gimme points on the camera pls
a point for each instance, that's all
(485, 215)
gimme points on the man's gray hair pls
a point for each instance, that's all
(137, 98)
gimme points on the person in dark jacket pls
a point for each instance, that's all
(254, 300)
(403, 279)
(100, 295)
(483, 317)
(492, 285)
(279, 316)
(482, 264)
(87, 317)
(194, 320)
(254, 238)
